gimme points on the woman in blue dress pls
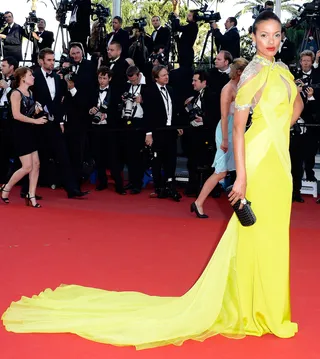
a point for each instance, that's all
(224, 159)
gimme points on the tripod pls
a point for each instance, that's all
(63, 30)
(211, 62)
(312, 30)
(35, 49)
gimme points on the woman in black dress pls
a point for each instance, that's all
(23, 108)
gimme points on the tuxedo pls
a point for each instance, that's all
(47, 39)
(12, 44)
(186, 42)
(122, 37)
(161, 36)
(286, 52)
(49, 91)
(310, 115)
(160, 114)
(229, 41)
(77, 105)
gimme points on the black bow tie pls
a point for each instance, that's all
(102, 91)
(113, 61)
(163, 88)
(49, 75)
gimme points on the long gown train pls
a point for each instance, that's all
(244, 289)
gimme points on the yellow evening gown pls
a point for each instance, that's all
(244, 289)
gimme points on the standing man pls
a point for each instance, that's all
(44, 38)
(8, 66)
(230, 40)
(286, 52)
(160, 36)
(12, 38)
(187, 39)
(77, 104)
(119, 35)
(48, 91)
(160, 114)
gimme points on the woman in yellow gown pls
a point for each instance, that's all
(244, 289)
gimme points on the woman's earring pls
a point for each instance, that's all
(253, 44)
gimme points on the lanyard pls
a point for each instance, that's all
(136, 90)
(165, 95)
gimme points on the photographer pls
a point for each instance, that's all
(101, 114)
(160, 114)
(12, 38)
(44, 38)
(305, 78)
(286, 52)
(161, 35)
(140, 43)
(200, 136)
(8, 66)
(133, 122)
(230, 41)
(187, 39)
(81, 83)
(119, 35)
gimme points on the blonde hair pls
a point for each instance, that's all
(238, 64)
(307, 53)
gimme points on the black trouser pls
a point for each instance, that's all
(52, 146)
(6, 145)
(297, 143)
(165, 157)
(115, 156)
(134, 141)
(310, 149)
(76, 144)
(99, 147)
(201, 149)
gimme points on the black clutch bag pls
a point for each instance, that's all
(245, 215)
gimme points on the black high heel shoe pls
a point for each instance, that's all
(194, 208)
(6, 199)
(29, 202)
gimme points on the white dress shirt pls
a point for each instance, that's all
(112, 62)
(167, 103)
(155, 33)
(4, 96)
(136, 90)
(101, 98)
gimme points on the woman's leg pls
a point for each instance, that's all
(26, 168)
(34, 175)
(209, 185)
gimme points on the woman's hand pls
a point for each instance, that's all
(238, 192)
(224, 145)
(40, 121)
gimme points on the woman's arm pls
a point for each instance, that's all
(15, 106)
(225, 101)
(297, 109)
(239, 187)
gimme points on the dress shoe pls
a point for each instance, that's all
(128, 186)
(135, 191)
(297, 198)
(77, 194)
(311, 179)
(121, 191)
(159, 193)
(24, 195)
(194, 208)
(174, 194)
(101, 187)
(318, 201)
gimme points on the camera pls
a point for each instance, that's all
(69, 71)
(3, 21)
(203, 14)
(64, 7)
(140, 23)
(98, 116)
(193, 111)
(160, 57)
(32, 19)
(101, 12)
(127, 109)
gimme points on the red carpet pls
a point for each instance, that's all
(136, 243)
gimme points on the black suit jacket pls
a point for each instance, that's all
(13, 41)
(186, 41)
(47, 40)
(80, 30)
(122, 37)
(155, 113)
(230, 41)
(162, 37)
(119, 77)
(41, 94)
(287, 53)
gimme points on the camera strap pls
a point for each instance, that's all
(165, 95)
